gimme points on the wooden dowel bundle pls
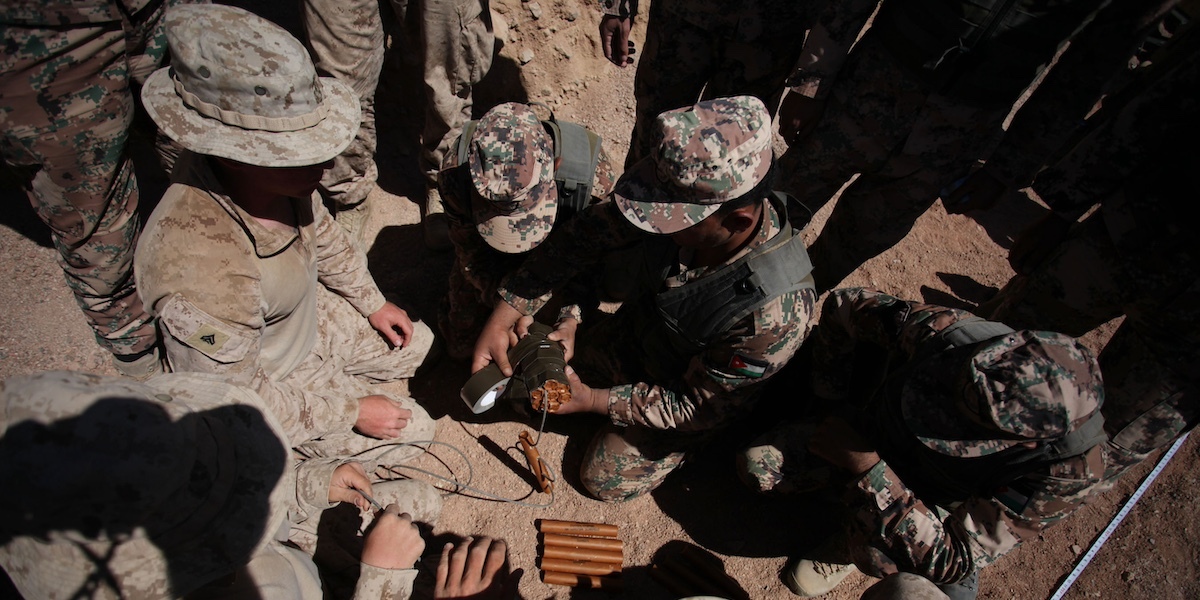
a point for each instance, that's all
(579, 554)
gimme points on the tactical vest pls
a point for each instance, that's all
(986, 51)
(948, 480)
(682, 321)
(576, 150)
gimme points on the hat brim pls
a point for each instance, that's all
(523, 229)
(205, 135)
(645, 203)
(929, 408)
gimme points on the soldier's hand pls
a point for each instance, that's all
(497, 337)
(614, 39)
(346, 479)
(393, 322)
(381, 417)
(473, 569)
(564, 334)
(393, 542)
(798, 116)
(840, 444)
(584, 398)
(978, 191)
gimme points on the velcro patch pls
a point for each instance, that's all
(746, 366)
(216, 339)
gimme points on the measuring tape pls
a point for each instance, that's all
(1096, 545)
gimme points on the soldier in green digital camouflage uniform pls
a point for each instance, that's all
(67, 75)
(184, 486)
(1136, 256)
(722, 294)
(501, 204)
(966, 439)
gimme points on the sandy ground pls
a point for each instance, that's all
(551, 56)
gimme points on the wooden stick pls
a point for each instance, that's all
(535, 462)
(582, 581)
(571, 541)
(579, 567)
(577, 528)
(567, 553)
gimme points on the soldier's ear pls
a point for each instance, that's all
(741, 219)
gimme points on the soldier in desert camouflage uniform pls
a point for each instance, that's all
(455, 43)
(913, 107)
(501, 204)
(723, 294)
(703, 50)
(1136, 256)
(66, 105)
(968, 439)
(246, 271)
(122, 483)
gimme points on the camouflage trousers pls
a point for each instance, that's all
(622, 463)
(347, 41)
(906, 144)
(455, 42)
(1150, 386)
(904, 586)
(688, 59)
(351, 360)
(463, 312)
(778, 463)
(66, 105)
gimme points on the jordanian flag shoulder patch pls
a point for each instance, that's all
(746, 366)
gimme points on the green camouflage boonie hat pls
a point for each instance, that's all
(1021, 387)
(512, 166)
(703, 155)
(242, 88)
(179, 480)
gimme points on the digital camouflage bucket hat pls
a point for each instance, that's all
(511, 160)
(135, 490)
(704, 155)
(242, 88)
(1025, 386)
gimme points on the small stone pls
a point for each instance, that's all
(563, 51)
(1127, 576)
(526, 56)
(571, 15)
(535, 10)
(1076, 549)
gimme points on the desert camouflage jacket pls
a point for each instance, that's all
(238, 298)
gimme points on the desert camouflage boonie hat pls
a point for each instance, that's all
(703, 155)
(178, 481)
(1020, 387)
(242, 88)
(512, 167)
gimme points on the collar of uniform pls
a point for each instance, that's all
(770, 227)
(198, 172)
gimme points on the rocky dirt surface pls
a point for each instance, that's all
(551, 55)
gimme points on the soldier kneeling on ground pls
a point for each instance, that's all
(966, 439)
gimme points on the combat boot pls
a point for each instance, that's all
(437, 230)
(141, 366)
(809, 578)
(966, 589)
